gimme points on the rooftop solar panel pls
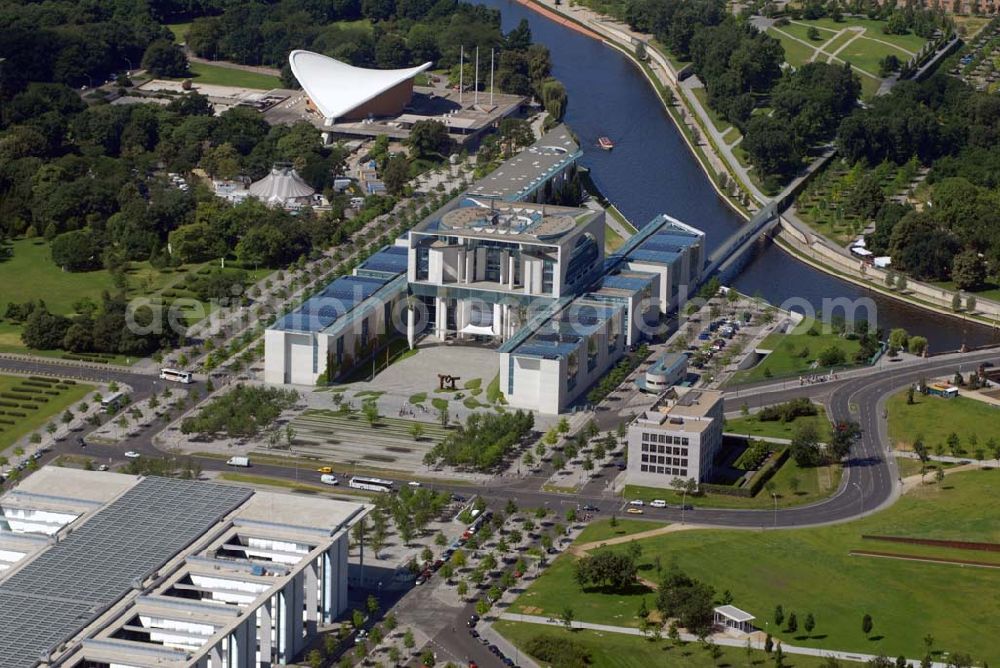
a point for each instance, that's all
(63, 588)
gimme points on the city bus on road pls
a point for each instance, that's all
(371, 484)
(175, 375)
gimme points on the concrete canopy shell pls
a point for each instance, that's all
(337, 88)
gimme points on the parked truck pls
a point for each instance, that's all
(238, 461)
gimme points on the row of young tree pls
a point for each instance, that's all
(484, 441)
(243, 411)
(955, 132)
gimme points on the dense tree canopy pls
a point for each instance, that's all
(942, 124)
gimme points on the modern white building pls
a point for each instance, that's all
(678, 437)
(500, 265)
(105, 570)
(341, 91)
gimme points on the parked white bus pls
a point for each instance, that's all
(112, 402)
(175, 375)
(371, 484)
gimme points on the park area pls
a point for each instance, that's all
(934, 419)
(855, 40)
(752, 425)
(29, 403)
(808, 348)
(823, 571)
(615, 650)
(29, 274)
(835, 203)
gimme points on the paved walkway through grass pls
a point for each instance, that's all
(582, 549)
(756, 639)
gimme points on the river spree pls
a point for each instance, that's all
(651, 171)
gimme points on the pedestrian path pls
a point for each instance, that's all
(724, 640)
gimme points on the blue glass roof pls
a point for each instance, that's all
(625, 282)
(389, 260)
(322, 310)
(655, 256)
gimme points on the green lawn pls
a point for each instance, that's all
(908, 466)
(796, 53)
(814, 484)
(751, 426)
(612, 240)
(30, 274)
(835, 43)
(224, 76)
(602, 529)
(180, 31)
(801, 30)
(873, 29)
(991, 289)
(615, 650)
(866, 54)
(794, 354)
(35, 418)
(811, 570)
(934, 418)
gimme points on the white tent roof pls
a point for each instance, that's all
(336, 88)
(282, 185)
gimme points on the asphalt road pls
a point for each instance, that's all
(869, 481)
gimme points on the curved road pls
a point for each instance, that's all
(870, 480)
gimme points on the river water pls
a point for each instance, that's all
(651, 171)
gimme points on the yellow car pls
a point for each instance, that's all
(325, 469)
(634, 511)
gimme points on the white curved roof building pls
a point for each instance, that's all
(341, 91)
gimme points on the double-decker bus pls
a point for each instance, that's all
(371, 484)
(175, 375)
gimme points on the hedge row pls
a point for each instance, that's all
(44, 384)
(758, 481)
(14, 413)
(15, 395)
(79, 358)
(4, 421)
(41, 379)
(725, 490)
(29, 390)
(767, 471)
(11, 404)
(54, 393)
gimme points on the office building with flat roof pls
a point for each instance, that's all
(498, 264)
(678, 437)
(104, 570)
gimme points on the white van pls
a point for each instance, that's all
(328, 479)
(658, 503)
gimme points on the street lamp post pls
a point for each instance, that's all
(774, 495)
(683, 499)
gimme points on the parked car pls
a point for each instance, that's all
(589, 508)
(634, 511)
(658, 503)
(637, 502)
(132, 454)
